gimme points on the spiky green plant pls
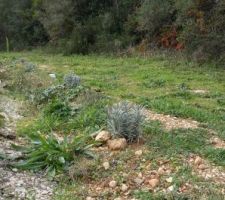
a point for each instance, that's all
(71, 80)
(52, 154)
(125, 120)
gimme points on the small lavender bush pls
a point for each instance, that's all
(125, 120)
(71, 80)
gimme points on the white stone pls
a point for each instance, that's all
(106, 165)
(124, 187)
(169, 180)
(138, 153)
(52, 76)
(112, 184)
(90, 198)
(171, 188)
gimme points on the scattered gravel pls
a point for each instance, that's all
(217, 143)
(171, 122)
(23, 185)
(206, 170)
(15, 184)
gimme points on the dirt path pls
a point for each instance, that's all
(15, 184)
(170, 122)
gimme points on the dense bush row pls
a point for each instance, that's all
(84, 26)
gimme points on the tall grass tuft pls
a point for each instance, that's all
(7, 44)
(52, 154)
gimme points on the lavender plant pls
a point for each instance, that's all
(71, 80)
(125, 120)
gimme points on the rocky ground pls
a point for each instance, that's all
(15, 184)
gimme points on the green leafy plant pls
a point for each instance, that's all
(55, 92)
(52, 154)
(125, 120)
(58, 109)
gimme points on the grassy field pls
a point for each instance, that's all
(168, 86)
(157, 83)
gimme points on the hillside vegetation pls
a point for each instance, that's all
(195, 27)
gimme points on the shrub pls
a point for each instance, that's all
(124, 120)
(71, 80)
(46, 94)
(58, 109)
(154, 15)
(55, 92)
(52, 154)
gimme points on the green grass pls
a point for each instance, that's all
(169, 144)
(2, 121)
(156, 82)
(160, 84)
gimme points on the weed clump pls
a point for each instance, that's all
(125, 120)
(2, 119)
(53, 154)
(71, 80)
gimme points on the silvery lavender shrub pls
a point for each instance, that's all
(125, 120)
(71, 80)
(29, 67)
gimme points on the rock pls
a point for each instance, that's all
(140, 175)
(138, 153)
(170, 189)
(161, 171)
(200, 91)
(103, 136)
(112, 184)
(90, 198)
(117, 144)
(52, 76)
(153, 182)
(202, 167)
(198, 160)
(106, 165)
(138, 181)
(169, 180)
(14, 169)
(124, 187)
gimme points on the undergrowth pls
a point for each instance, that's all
(51, 154)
